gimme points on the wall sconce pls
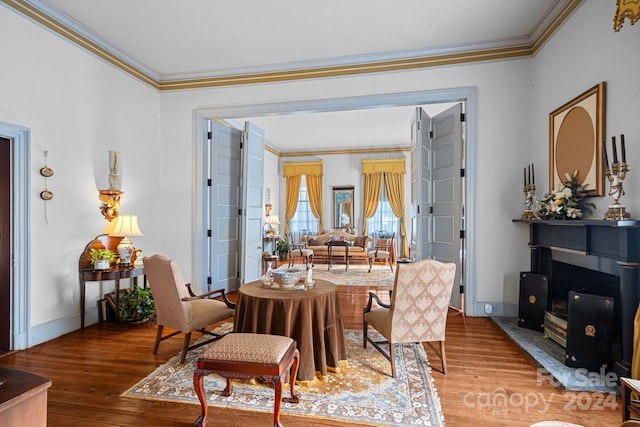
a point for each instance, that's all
(110, 203)
(267, 203)
(126, 226)
(111, 198)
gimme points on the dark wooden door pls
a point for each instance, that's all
(5, 244)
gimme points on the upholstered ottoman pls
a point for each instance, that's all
(245, 356)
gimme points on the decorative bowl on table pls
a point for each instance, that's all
(287, 277)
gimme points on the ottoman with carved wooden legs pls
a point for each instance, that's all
(246, 356)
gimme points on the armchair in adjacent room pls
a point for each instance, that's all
(177, 307)
(382, 248)
(418, 310)
(299, 249)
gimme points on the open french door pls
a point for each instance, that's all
(439, 191)
(234, 204)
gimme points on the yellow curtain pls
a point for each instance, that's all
(292, 191)
(393, 171)
(394, 183)
(314, 172)
(371, 196)
(314, 185)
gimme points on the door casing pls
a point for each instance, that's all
(468, 95)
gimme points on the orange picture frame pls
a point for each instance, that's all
(576, 135)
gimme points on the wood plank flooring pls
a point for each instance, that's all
(489, 382)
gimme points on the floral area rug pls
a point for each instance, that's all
(357, 275)
(363, 392)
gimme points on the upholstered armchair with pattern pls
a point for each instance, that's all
(418, 310)
(177, 307)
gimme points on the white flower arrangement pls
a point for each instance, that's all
(566, 203)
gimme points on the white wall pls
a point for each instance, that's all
(77, 108)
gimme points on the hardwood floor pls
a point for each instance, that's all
(489, 381)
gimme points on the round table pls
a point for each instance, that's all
(312, 317)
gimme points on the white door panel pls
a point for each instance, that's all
(446, 150)
(253, 181)
(420, 184)
(224, 205)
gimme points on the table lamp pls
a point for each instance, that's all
(273, 221)
(125, 227)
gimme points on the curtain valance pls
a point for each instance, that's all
(384, 166)
(304, 168)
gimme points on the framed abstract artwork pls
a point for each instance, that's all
(576, 134)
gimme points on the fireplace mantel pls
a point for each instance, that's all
(615, 240)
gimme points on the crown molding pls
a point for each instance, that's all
(66, 27)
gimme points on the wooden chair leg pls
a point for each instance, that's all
(392, 359)
(158, 338)
(293, 377)
(198, 384)
(277, 403)
(390, 264)
(365, 330)
(228, 389)
(185, 347)
(443, 357)
(370, 264)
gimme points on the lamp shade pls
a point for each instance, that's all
(126, 226)
(273, 219)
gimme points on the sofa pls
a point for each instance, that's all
(357, 251)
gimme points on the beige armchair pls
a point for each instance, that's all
(179, 308)
(418, 311)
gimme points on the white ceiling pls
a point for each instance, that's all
(202, 38)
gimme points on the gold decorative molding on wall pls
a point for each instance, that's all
(303, 168)
(626, 9)
(384, 165)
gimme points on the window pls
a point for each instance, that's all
(384, 219)
(303, 219)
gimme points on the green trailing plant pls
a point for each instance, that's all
(101, 255)
(137, 305)
(282, 247)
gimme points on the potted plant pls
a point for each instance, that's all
(101, 259)
(137, 305)
(282, 247)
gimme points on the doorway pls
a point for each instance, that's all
(468, 95)
(15, 239)
(5, 244)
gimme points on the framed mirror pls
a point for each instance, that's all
(343, 207)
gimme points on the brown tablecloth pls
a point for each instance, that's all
(311, 317)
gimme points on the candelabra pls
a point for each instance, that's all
(529, 191)
(616, 174)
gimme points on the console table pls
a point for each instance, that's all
(615, 240)
(88, 274)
